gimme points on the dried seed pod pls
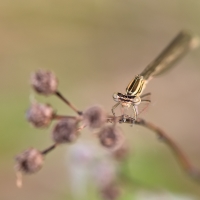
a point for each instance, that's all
(44, 82)
(40, 115)
(65, 131)
(29, 161)
(111, 137)
(94, 116)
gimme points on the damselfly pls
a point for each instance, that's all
(179, 46)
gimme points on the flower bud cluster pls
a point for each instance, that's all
(67, 128)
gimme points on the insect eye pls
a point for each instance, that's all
(115, 97)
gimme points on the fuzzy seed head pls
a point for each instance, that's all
(94, 117)
(65, 131)
(40, 115)
(29, 161)
(44, 82)
(111, 137)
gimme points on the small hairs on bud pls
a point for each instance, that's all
(44, 82)
(40, 115)
(111, 137)
(29, 161)
(65, 131)
(94, 116)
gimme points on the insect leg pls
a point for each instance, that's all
(135, 112)
(115, 106)
(144, 95)
(149, 101)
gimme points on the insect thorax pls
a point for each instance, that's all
(136, 86)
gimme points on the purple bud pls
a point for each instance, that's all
(40, 115)
(29, 161)
(94, 116)
(111, 137)
(44, 82)
(65, 131)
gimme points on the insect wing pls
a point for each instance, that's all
(180, 45)
(145, 102)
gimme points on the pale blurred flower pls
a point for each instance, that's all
(104, 172)
(88, 163)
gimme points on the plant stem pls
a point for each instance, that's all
(59, 95)
(182, 158)
(47, 150)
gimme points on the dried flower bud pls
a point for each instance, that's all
(111, 137)
(44, 82)
(94, 116)
(65, 131)
(40, 115)
(110, 192)
(29, 161)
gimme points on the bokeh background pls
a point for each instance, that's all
(96, 47)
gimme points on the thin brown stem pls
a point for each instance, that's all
(58, 117)
(58, 94)
(182, 158)
(112, 118)
(49, 149)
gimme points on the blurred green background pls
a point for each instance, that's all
(96, 47)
